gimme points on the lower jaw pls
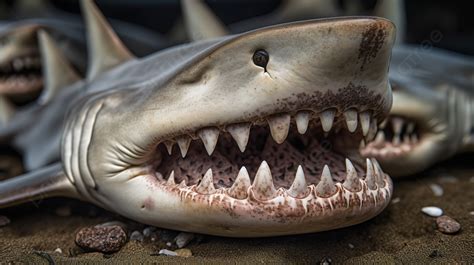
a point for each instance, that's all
(19, 89)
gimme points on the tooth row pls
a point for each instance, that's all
(279, 128)
(20, 63)
(263, 188)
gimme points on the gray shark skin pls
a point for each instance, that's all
(264, 124)
(432, 117)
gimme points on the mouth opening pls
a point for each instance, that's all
(21, 76)
(322, 147)
(397, 135)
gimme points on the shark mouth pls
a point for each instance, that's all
(397, 136)
(21, 75)
(284, 169)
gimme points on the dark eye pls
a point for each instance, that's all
(260, 58)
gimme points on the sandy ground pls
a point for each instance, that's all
(400, 235)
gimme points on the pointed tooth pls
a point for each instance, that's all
(383, 124)
(299, 187)
(169, 146)
(396, 139)
(352, 180)
(279, 126)
(171, 180)
(262, 186)
(372, 130)
(397, 125)
(240, 133)
(362, 144)
(302, 121)
(379, 175)
(380, 138)
(207, 184)
(183, 143)
(239, 189)
(182, 183)
(364, 118)
(326, 187)
(351, 119)
(370, 176)
(327, 118)
(410, 127)
(209, 138)
(406, 139)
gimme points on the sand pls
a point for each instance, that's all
(401, 234)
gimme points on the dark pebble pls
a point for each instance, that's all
(447, 225)
(4, 220)
(104, 239)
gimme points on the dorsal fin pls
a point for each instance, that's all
(57, 71)
(38, 184)
(7, 110)
(200, 22)
(105, 49)
(395, 11)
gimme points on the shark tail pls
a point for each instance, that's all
(42, 183)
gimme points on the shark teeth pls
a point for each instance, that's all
(240, 133)
(299, 188)
(351, 119)
(183, 143)
(279, 127)
(239, 189)
(326, 186)
(352, 180)
(327, 119)
(169, 146)
(365, 122)
(206, 186)
(379, 175)
(209, 138)
(370, 175)
(171, 180)
(302, 121)
(262, 185)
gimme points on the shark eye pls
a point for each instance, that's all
(260, 58)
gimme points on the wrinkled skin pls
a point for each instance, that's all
(434, 90)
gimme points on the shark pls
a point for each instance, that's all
(247, 135)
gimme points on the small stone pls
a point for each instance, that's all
(447, 225)
(471, 213)
(167, 235)
(58, 250)
(63, 211)
(4, 220)
(148, 231)
(183, 239)
(167, 252)
(113, 223)
(471, 179)
(101, 238)
(137, 236)
(184, 252)
(351, 246)
(435, 254)
(437, 190)
(326, 261)
(432, 211)
(169, 244)
(396, 200)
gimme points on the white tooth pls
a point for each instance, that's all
(207, 184)
(380, 138)
(362, 144)
(209, 138)
(171, 179)
(396, 139)
(241, 185)
(327, 118)
(262, 186)
(298, 188)
(372, 130)
(302, 120)
(169, 146)
(383, 124)
(397, 124)
(326, 187)
(351, 119)
(352, 180)
(410, 127)
(379, 175)
(279, 126)
(365, 122)
(183, 143)
(370, 176)
(406, 139)
(240, 133)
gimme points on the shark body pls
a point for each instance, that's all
(188, 139)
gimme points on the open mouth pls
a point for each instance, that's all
(21, 75)
(396, 136)
(302, 155)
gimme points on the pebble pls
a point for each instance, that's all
(4, 220)
(101, 238)
(447, 225)
(63, 211)
(396, 200)
(432, 211)
(351, 246)
(184, 252)
(58, 250)
(471, 213)
(471, 179)
(326, 261)
(183, 239)
(437, 190)
(167, 252)
(148, 231)
(137, 236)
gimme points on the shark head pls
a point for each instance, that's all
(429, 120)
(241, 136)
